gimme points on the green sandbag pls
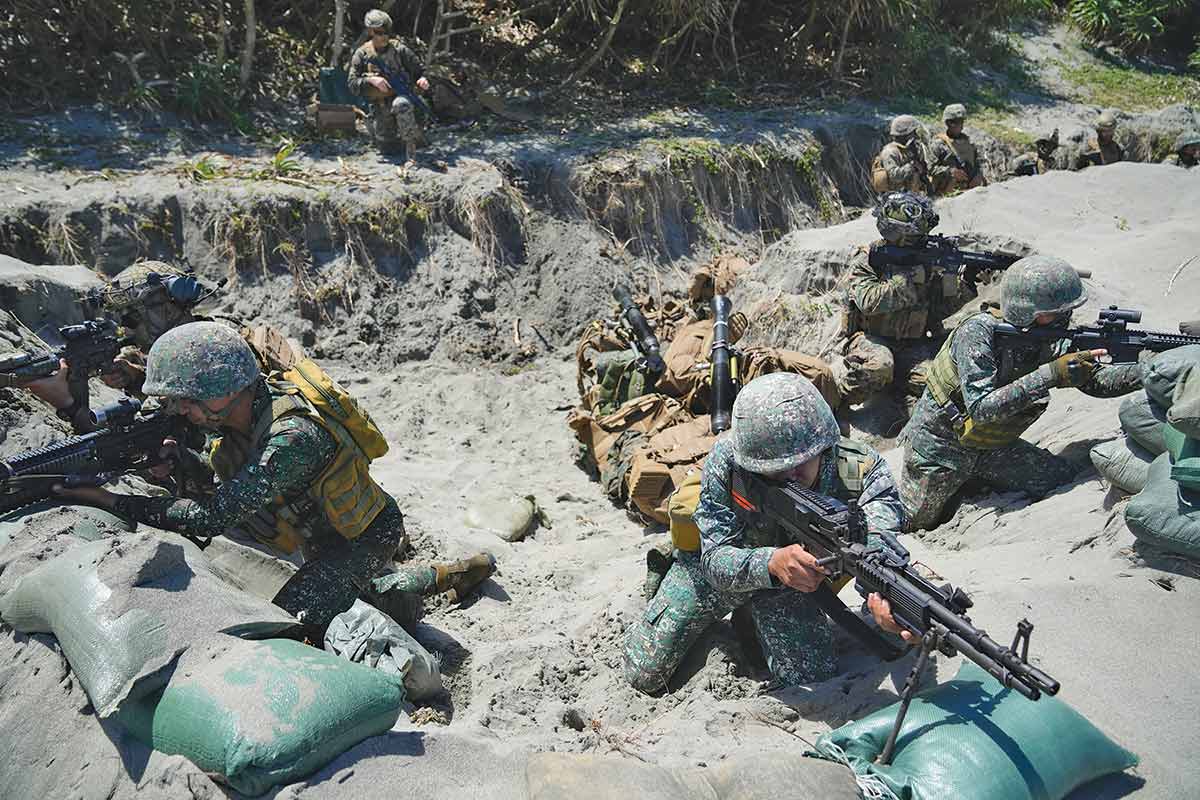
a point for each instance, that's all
(1164, 372)
(972, 739)
(266, 713)
(1123, 463)
(1143, 419)
(1165, 514)
(1185, 457)
(1185, 405)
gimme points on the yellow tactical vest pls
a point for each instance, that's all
(946, 388)
(344, 492)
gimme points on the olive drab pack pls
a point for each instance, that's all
(664, 462)
(333, 402)
(879, 176)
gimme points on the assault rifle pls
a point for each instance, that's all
(89, 350)
(402, 87)
(125, 440)
(1111, 332)
(836, 534)
(643, 335)
(724, 366)
(942, 253)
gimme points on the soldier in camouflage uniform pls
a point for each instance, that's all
(981, 396)
(1041, 159)
(955, 164)
(782, 429)
(894, 314)
(1102, 148)
(900, 165)
(395, 120)
(290, 472)
(1186, 152)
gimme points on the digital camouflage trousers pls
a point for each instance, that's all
(393, 123)
(795, 637)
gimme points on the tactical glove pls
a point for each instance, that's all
(1074, 369)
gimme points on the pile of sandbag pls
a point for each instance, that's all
(644, 434)
(1158, 461)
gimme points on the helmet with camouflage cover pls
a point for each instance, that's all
(148, 298)
(780, 421)
(1107, 121)
(1048, 137)
(377, 18)
(1186, 139)
(200, 361)
(903, 125)
(954, 111)
(904, 215)
(1039, 285)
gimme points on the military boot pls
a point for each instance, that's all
(458, 579)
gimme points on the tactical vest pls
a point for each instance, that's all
(344, 493)
(854, 461)
(946, 388)
(908, 323)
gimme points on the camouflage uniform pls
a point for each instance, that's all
(1031, 163)
(393, 120)
(730, 571)
(1097, 154)
(949, 153)
(1186, 152)
(937, 464)
(887, 321)
(904, 166)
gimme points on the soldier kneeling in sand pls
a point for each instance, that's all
(293, 469)
(782, 429)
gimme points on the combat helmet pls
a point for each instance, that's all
(199, 361)
(780, 421)
(954, 111)
(1047, 136)
(904, 215)
(903, 125)
(148, 298)
(1186, 139)
(1039, 285)
(1107, 121)
(377, 18)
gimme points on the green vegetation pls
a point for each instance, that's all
(1136, 25)
(1129, 88)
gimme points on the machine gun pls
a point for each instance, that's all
(1111, 332)
(643, 335)
(402, 87)
(724, 366)
(836, 534)
(942, 253)
(125, 440)
(89, 350)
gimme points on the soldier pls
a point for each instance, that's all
(955, 164)
(1041, 159)
(782, 429)
(395, 121)
(900, 165)
(1102, 148)
(981, 397)
(894, 312)
(1187, 150)
(290, 470)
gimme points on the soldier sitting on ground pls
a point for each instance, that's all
(1102, 148)
(955, 164)
(900, 165)
(982, 394)
(894, 314)
(291, 470)
(396, 118)
(782, 429)
(1041, 159)
(1186, 152)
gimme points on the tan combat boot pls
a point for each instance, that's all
(458, 579)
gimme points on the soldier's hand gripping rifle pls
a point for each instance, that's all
(836, 534)
(724, 366)
(644, 339)
(402, 87)
(942, 253)
(1111, 332)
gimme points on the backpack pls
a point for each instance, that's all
(334, 402)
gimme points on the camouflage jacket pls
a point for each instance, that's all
(997, 385)
(946, 155)
(1096, 154)
(735, 550)
(396, 57)
(905, 167)
(904, 304)
(295, 454)
(1031, 164)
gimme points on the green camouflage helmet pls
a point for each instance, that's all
(904, 125)
(200, 361)
(1039, 285)
(1107, 121)
(1186, 139)
(904, 215)
(122, 290)
(1047, 137)
(954, 111)
(378, 19)
(779, 422)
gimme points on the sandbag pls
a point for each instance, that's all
(1184, 413)
(1185, 457)
(510, 518)
(972, 739)
(261, 714)
(1165, 514)
(365, 635)
(1123, 463)
(1161, 373)
(248, 567)
(752, 776)
(123, 609)
(1143, 418)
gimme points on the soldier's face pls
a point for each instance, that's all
(805, 474)
(954, 127)
(378, 35)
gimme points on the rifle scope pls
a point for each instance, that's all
(1115, 314)
(116, 415)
